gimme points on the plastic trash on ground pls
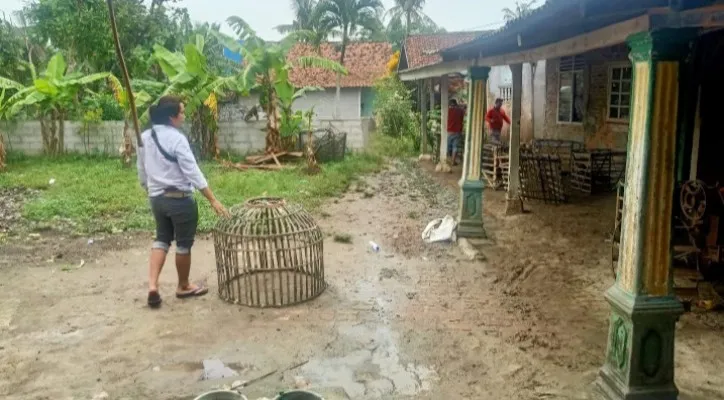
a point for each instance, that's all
(440, 230)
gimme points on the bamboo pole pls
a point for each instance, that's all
(124, 71)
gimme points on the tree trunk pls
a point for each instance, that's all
(60, 144)
(407, 25)
(127, 146)
(338, 96)
(2, 153)
(49, 131)
(273, 137)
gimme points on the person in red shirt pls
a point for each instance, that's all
(455, 118)
(495, 118)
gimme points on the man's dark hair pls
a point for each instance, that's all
(498, 100)
(453, 102)
(167, 108)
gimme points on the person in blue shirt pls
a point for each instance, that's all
(169, 173)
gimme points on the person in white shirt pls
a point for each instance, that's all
(168, 171)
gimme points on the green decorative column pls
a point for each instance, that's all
(470, 217)
(640, 355)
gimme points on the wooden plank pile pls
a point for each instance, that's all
(495, 165)
(597, 171)
(264, 161)
(541, 179)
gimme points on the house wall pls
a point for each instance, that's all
(323, 103)
(368, 102)
(596, 131)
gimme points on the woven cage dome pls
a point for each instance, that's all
(269, 253)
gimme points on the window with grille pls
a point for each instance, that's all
(619, 89)
(571, 88)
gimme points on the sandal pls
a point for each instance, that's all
(154, 299)
(199, 291)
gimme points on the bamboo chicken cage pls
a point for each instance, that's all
(269, 253)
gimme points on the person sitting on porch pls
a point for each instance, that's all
(495, 118)
(455, 117)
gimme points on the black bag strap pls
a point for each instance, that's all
(163, 151)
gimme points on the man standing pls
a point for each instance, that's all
(495, 118)
(455, 118)
(169, 173)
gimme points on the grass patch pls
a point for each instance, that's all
(393, 147)
(96, 194)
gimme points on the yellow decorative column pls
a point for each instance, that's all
(470, 217)
(640, 355)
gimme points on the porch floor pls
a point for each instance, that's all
(545, 273)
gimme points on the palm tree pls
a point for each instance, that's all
(409, 11)
(522, 8)
(305, 16)
(349, 17)
(308, 26)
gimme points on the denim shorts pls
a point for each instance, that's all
(176, 219)
(495, 136)
(453, 143)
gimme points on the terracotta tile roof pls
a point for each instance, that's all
(424, 50)
(365, 61)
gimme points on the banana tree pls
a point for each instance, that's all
(142, 99)
(266, 71)
(189, 77)
(50, 96)
(3, 117)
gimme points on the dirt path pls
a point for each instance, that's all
(412, 321)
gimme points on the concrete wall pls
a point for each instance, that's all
(234, 135)
(323, 102)
(25, 137)
(596, 131)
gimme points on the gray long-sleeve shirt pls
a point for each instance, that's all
(157, 174)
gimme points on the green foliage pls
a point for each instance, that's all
(55, 90)
(81, 29)
(190, 77)
(397, 28)
(394, 147)
(522, 9)
(350, 18)
(267, 72)
(104, 104)
(12, 49)
(117, 202)
(407, 18)
(393, 108)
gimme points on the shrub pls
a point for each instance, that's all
(393, 108)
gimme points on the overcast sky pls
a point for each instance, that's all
(264, 15)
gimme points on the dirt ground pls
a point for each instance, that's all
(412, 321)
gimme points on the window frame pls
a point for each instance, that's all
(584, 73)
(609, 92)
